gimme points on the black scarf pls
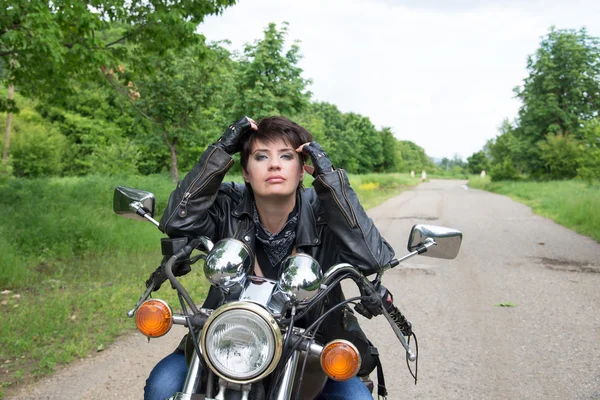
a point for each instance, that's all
(277, 245)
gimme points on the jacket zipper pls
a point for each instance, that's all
(338, 202)
(187, 195)
(346, 198)
(183, 203)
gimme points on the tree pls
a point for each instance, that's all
(269, 81)
(414, 156)
(589, 169)
(365, 142)
(317, 126)
(44, 44)
(561, 92)
(507, 147)
(182, 96)
(561, 155)
(47, 42)
(11, 97)
(477, 162)
(391, 160)
(445, 164)
(339, 146)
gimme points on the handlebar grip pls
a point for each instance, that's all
(400, 320)
(184, 252)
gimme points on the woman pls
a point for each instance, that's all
(276, 217)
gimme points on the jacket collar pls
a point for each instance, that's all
(306, 231)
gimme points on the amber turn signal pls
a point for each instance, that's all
(340, 360)
(154, 318)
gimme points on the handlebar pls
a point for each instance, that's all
(396, 319)
(378, 305)
(195, 320)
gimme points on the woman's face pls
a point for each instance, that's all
(273, 169)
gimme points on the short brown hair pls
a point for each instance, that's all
(271, 129)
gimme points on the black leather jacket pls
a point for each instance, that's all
(332, 226)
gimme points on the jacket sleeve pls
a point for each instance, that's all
(191, 209)
(361, 244)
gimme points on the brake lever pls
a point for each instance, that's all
(399, 335)
(142, 299)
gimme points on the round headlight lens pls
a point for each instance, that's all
(240, 344)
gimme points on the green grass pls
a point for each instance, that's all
(73, 267)
(446, 175)
(373, 189)
(573, 204)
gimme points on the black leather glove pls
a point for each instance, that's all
(230, 140)
(320, 159)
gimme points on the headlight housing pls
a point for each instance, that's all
(241, 342)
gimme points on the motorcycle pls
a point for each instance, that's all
(250, 347)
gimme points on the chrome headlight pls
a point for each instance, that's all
(227, 263)
(241, 342)
(301, 277)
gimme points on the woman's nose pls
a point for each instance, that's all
(275, 163)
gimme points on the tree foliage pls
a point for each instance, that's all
(391, 158)
(561, 98)
(352, 141)
(414, 157)
(589, 165)
(37, 151)
(269, 80)
(563, 86)
(154, 112)
(477, 162)
(179, 96)
(44, 44)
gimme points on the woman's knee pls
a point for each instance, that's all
(167, 377)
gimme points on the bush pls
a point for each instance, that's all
(37, 149)
(6, 172)
(96, 146)
(561, 155)
(504, 171)
(589, 169)
(117, 158)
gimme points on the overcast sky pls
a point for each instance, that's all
(439, 73)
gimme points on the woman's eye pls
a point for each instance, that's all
(287, 156)
(260, 157)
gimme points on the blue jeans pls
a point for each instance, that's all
(168, 377)
(348, 390)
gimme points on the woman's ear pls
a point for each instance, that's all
(245, 175)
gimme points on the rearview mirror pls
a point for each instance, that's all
(447, 241)
(133, 203)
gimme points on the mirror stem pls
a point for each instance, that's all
(149, 218)
(141, 211)
(422, 249)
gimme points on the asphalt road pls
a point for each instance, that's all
(546, 347)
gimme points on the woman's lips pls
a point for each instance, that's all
(275, 179)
